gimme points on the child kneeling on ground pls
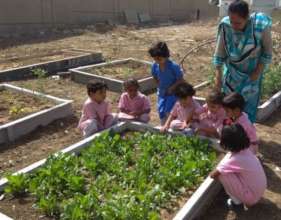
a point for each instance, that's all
(133, 105)
(185, 110)
(96, 112)
(233, 105)
(212, 116)
(240, 172)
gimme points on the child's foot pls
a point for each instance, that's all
(234, 205)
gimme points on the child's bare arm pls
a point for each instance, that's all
(172, 88)
(215, 174)
(167, 124)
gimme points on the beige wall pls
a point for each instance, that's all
(28, 15)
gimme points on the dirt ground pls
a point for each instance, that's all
(124, 42)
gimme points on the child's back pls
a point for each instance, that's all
(249, 171)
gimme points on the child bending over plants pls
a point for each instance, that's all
(133, 105)
(185, 111)
(212, 116)
(240, 172)
(96, 112)
(233, 105)
(168, 75)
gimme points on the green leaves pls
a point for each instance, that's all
(18, 185)
(272, 81)
(119, 177)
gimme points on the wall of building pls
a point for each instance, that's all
(30, 15)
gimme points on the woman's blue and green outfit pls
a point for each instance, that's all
(240, 53)
(170, 75)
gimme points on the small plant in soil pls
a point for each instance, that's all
(133, 176)
(41, 75)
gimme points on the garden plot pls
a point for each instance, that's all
(51, 62)
(22, 111)
(140, 185)
(116, 72)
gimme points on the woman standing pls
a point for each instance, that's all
(244, 48)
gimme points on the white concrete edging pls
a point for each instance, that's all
(15, 129)
(80, 75)
(25, 72)
(200, 199)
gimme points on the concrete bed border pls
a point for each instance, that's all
(52, 67)
(80, 75)
(200, 199)
(15, 129)
(264, 110)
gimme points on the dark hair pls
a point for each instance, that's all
(160, 49)
(215, 97)
(131, 82)
(234, 138)
(184, 90)
(233, 100)
(240, 8)
(93, 87)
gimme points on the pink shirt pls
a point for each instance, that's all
(181, 113)
(138, 103)
(209, 119)
(94, 110)
(247, 167)
(250, 129)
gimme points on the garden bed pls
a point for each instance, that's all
(152, 197)
(24, 110)
(51, 62)
(116, 72)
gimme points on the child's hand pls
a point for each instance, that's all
(164, 129)
(214, 174)
(184, 125)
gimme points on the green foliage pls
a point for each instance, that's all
(272, 81)
(121, 177)
(18, 185)
(41, 76)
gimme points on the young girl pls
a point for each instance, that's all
(233, 105)
(240, 172)
(133, 105)
(168, 75)
(212, 116)
(96, 112)
(184, 111)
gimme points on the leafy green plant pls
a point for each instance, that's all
(16, 110)
(17, 185)
(41, 75)
(272, 81)
(120, 177)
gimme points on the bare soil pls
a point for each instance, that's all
(123, 71)
(15, 60)
(15, 105)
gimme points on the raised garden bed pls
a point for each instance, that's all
(115, 73)
(144, 183)
(52, 63)
(24, 110)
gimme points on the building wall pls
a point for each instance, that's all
(29, 15)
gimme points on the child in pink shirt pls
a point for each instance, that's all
(133, 105)
(185, 110)
(212, 116)
(96, 112)
(233, 105)
(240, 172)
